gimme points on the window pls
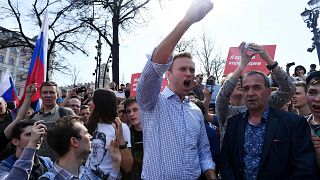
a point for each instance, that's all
(11, 61)
(13, 50)
(1, 58)
(22, 64)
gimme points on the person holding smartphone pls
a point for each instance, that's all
(313, 100)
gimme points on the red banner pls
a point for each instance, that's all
(257, 63)
(134, 84)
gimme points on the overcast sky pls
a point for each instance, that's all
(229, 23)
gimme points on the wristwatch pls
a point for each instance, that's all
(271, 67)
(122, 147)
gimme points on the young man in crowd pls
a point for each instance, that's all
(299, 99)
(133, 113)
(5, 135)
(255, 144)
(84, 113)
(215, 87)
(24, 163)
(70, 139)
(174, 137)
(313, 100)
(50, 112)
(198, 87)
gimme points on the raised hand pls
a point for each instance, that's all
(118, 129)
(198, 10)
(37, 133)
(262, 52)
(245, 57)
(31, 89)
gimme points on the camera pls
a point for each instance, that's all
(291, 64)
(80, 89)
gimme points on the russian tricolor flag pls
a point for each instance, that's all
(37, 68)
(7, 89)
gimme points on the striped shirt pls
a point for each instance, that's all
(174, 136)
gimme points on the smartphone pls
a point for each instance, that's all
(316, 129)
(210, 88)
(246, 46)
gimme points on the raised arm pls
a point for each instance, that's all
(150, 81)
(286, 87)
(23, 166)
(223, 97)
(31, 90)
(196, 12)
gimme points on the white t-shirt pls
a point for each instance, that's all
(99, 161)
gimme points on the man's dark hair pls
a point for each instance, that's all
(59, 135)
(84, 107)
(48, 83)
(19, 127)
(105, 109)
(313, 75)
(128, 102)
(250, 73)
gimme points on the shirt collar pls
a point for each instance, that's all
(265, 115)
(168, 94)
(65, 174)
(52, 111)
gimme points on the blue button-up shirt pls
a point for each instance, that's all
(58, 173)
(253, 144)
(174, 137)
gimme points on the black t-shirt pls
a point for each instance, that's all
(137, 151)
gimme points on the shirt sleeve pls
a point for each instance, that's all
(150, 84)
(286, 89)
(114, 175)
(22, 167)
(206, 161)
(223, 99)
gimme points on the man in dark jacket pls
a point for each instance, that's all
(264, 143)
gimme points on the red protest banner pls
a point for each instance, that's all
(134, 84)
(233, 60)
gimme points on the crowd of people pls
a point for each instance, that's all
(251, 126)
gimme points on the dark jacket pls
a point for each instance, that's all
(287, 151)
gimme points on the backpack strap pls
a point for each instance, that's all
(33, 114)
(62, 112)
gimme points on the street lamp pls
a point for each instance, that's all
(311, 18)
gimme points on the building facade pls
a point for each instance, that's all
(17, 59)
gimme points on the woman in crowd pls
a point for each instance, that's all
(105, 126)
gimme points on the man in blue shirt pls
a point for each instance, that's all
(215, 87)
(174, 137)
(70, 139)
